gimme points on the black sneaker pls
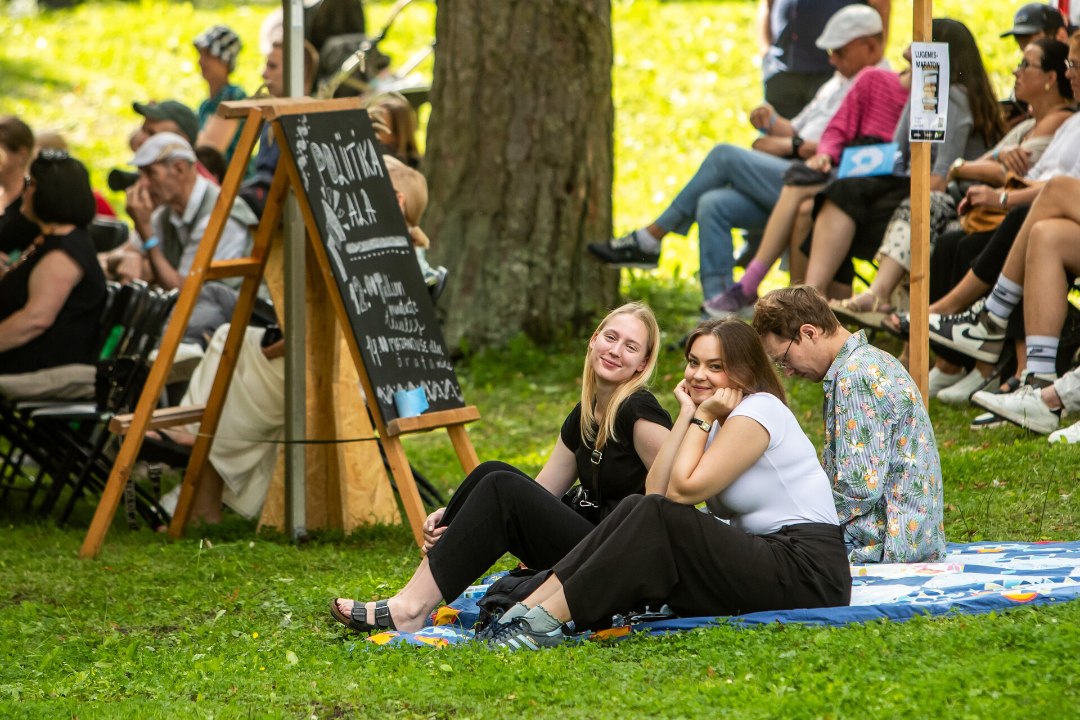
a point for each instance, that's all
(972, 332)
(988, 421)
(625, 252)
(519, 635)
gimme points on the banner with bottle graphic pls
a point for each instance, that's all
(929, 91)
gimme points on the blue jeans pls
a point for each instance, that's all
(733, 188)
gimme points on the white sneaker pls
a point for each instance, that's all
(939, 380)
(1067, 435)
(960, 391)
(1025, 408)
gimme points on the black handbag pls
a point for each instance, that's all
(579, 499)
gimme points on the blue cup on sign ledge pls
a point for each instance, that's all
(410, 403)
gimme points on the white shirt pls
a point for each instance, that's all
(1062, 155)
(786, 485)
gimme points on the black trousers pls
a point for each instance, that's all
(651, 549)
(499, 509)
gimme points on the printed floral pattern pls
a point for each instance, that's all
(882, 459)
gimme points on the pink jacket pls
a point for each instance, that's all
(871, 107)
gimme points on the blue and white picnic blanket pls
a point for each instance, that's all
(974, 578)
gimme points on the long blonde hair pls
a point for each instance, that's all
(598, 434)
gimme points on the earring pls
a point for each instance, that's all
(1046, 87)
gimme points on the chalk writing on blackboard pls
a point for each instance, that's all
(371, 258)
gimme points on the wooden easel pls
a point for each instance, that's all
(251, 269)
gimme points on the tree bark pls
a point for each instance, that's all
(519, 165)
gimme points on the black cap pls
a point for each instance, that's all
(1035, 18)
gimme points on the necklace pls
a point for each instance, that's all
(26, 254)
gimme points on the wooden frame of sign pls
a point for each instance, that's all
(363, 251)
(419, 346)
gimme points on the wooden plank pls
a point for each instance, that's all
(237, 267)
(432, 420)
(162, 418)
(270, 107)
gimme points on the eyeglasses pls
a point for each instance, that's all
(781, 364)
(29, 181)
(1025, 64)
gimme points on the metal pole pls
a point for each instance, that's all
(295, 327)
(919, 338)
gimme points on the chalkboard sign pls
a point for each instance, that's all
(371, 257)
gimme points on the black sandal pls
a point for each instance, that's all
(357, 619)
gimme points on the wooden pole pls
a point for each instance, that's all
(919, 340)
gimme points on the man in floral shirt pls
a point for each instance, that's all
(880, 451)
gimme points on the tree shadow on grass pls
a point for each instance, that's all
(20, 79)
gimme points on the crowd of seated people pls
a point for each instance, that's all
(1000, 219)
(53, 289)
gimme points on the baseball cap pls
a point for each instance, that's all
(222, 43)
(1035, 18)
(163, 146)
(849, 23)
(178, 112)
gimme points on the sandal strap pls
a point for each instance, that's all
(382, 615)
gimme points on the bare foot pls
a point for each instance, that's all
(403, 619)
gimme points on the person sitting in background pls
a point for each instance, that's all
(170, 206)
(608, 443)
(880, 452)
(851, 214)
(52, 296)
(218, 48)
(170, 116)
(412, 196)
(735, 187)
(1041, 83)
(52, 140)
(255, 188)
(770, 539)
(1034, 21)
(16, 152)
(395, 127)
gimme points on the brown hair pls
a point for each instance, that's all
(599, 433)
(15, 135)
(745, 360)
(782, 312)
(393, 111)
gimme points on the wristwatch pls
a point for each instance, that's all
(956, 165)
(796, 143)
(706, 426)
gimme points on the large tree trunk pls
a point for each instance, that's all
(519, 163)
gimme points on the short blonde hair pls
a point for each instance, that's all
(413, 186)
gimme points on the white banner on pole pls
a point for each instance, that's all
(929, 91)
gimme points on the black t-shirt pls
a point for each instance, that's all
(16, 231)
(620, 471)
(72, 336)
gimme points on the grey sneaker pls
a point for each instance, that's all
(1024, 407)
(519, 635)
(624, 252)
(972, 332)
(732, 302)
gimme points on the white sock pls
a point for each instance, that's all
(541, 621)
(516, 610)
(646, 241)
(1003, 299)
(1042, 355)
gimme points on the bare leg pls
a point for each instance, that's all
(782, 220)
(206, 507)
(889, 275)
(550, 595)
(834, 230)
(1053, 250)
(411, 606)
(968, 290)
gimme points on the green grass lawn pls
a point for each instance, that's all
(236, 625)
